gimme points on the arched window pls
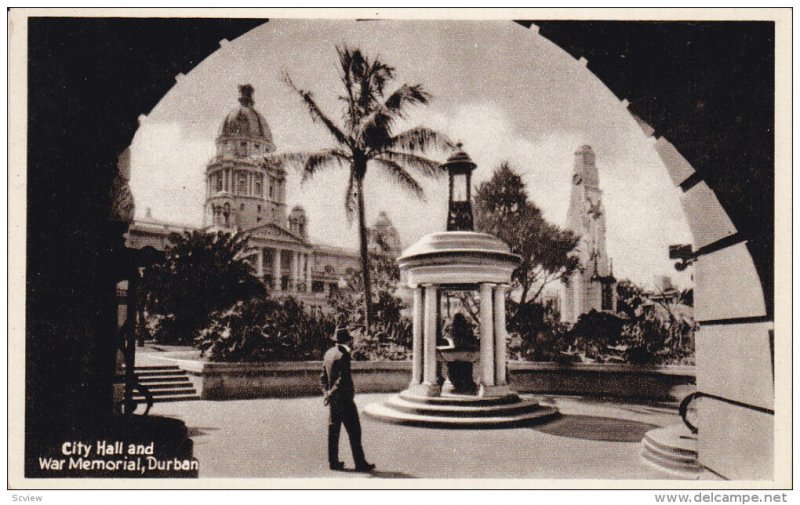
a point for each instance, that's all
(242, 183)
(607, 297)
(329, 269)
(259, 182)
(218, 181)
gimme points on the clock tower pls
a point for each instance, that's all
(593, 286)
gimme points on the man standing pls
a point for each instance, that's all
(338, 391)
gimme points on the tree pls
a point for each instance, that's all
(502, 208)
(630, 297)
(391, 330)
(201, 273)
(366, 139)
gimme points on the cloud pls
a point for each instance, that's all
(167, 175)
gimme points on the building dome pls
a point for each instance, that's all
(244, 122)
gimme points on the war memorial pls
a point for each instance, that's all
(449, 381)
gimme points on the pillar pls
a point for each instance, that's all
(416, 346)
(276, 270)
(260, 263)
(293, 271)
(487, 335)
(500, 334)
(430, 316)
(308, 273)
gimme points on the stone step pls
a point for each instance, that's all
(164, 399)
(386, 413)
(666, 455)
(168, 392)
(674, 439)
(150, 380)
(150, 368)
(683, 471)
(677, 456)
(672, 450)
(469, 410)
(465, 400)
(160, 373)
(168, 385)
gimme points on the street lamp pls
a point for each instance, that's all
(682, 252)
(459, 168)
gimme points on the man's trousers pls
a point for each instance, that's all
(345, 412)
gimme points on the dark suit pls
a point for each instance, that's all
(337, 386)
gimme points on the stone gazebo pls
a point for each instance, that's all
(459, 260)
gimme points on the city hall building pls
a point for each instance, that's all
(245, 193)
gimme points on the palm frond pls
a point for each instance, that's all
(375, 129)
(425, 166)
(316, 112)
(346, 75)
(407, 95)
(311, 162)
(420, 139)
(401, 177)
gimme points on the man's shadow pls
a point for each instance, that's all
(381, 474)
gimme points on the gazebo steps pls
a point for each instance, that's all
(399, 410)
(462, 409)
(459, 399)
(672, 450)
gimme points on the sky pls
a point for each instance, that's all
(502, 90)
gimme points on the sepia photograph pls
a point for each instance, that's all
(395, 248)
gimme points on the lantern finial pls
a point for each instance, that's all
(459, 168)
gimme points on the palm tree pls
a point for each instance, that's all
(366, 139)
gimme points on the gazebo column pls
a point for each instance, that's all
(430, 382)
(416, 346)
(487, 336)
(500, 334)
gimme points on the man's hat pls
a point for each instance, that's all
(341, 335)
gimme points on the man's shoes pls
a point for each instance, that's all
(365, 467)
(338, 465)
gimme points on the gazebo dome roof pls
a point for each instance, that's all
(458, 257)
(459, 160)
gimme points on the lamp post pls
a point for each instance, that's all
(459, 168)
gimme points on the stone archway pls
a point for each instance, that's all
(733, 293)
(72, 152)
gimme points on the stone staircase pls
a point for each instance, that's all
(167, 383)
(672, 450)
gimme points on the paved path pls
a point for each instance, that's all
(274, 438)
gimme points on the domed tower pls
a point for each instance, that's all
(298, 222)
(384, 238)
(593, 287)
(241, 192)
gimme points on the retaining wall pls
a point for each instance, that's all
(226, 381)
